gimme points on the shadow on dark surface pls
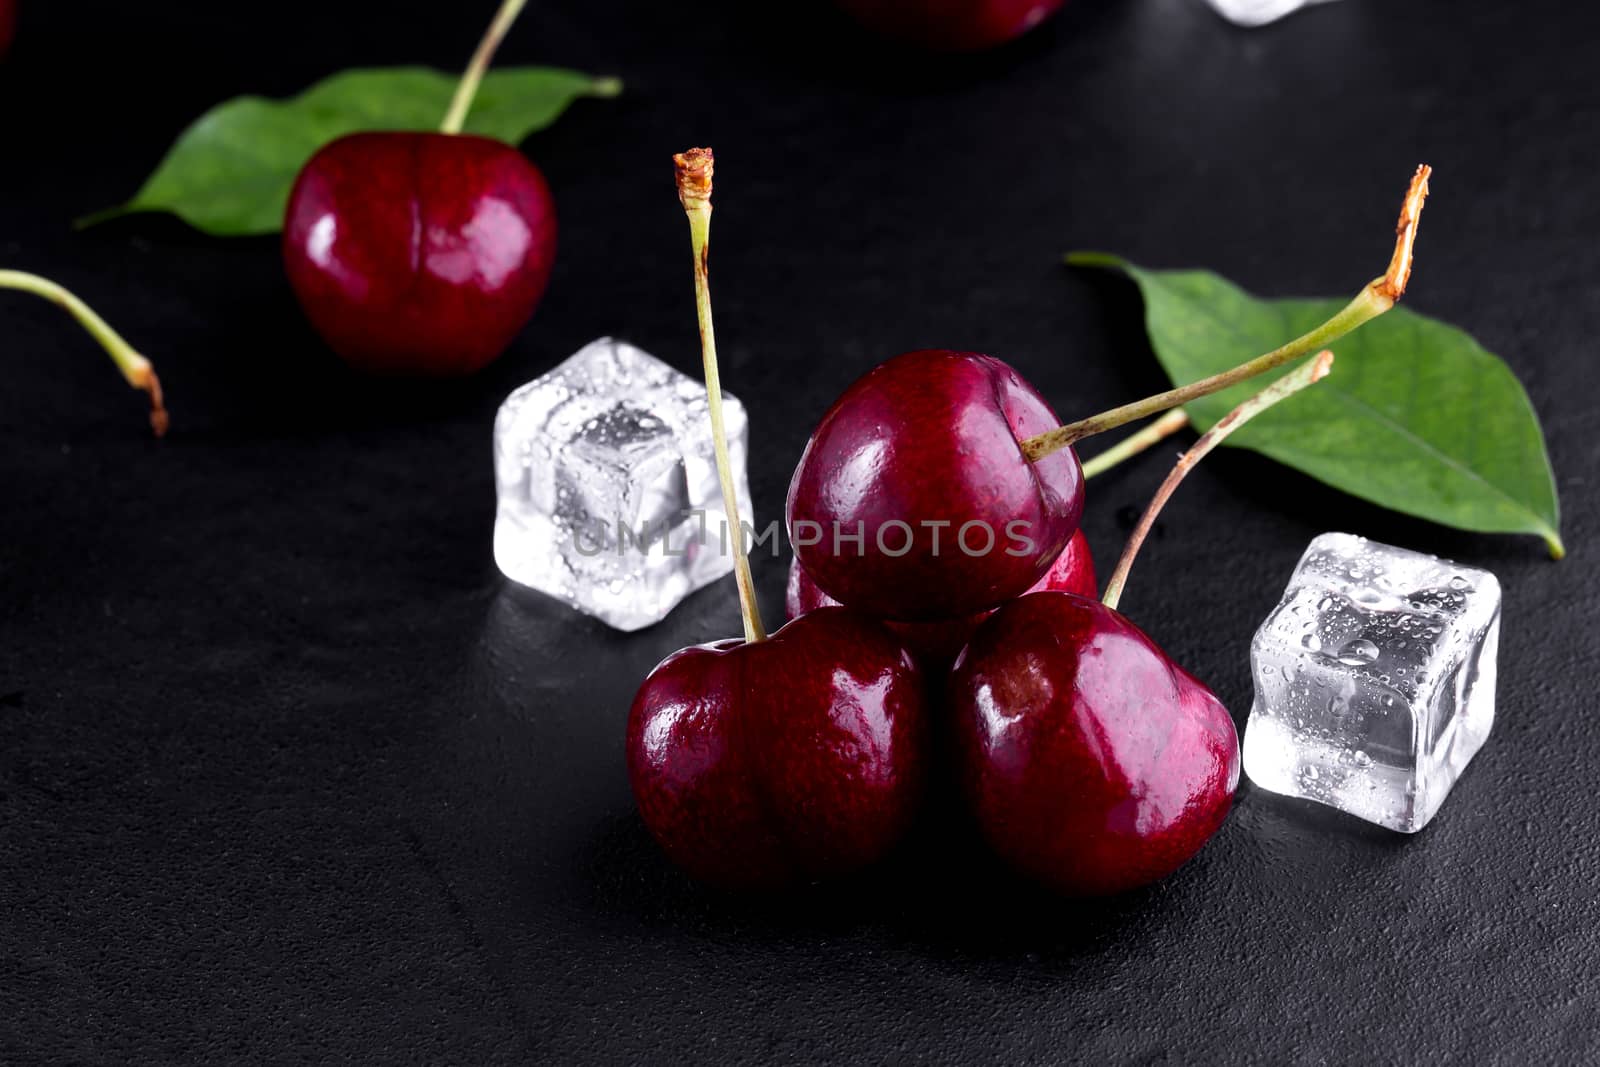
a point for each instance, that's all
(942, 895)
(926, 896)
(521, 618)
(1117, 312)
(1292, 820)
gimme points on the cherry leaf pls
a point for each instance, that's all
(229, 174)
(1416, 416)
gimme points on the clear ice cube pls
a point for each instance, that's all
(607, 485)
(1259, 12)
(1375, 679)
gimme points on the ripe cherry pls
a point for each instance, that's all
(419, 253)
(1090, 761)
(937, 643)
(794, 758)
(913, 500)
(422, 253)
(774, 760)
(951, 25)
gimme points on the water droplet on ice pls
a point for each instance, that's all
(1358, 653)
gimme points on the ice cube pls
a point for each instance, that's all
(607, 485)
(1374, 680)
(1259, 12)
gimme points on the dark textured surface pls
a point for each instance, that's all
(287, 772)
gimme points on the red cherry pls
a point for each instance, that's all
(951, 25)
(1091, 762)
(932, 437)
(937, 643)
(8, 24)
(419, 253)
(799, 757)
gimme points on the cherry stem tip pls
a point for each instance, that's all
(136, 369)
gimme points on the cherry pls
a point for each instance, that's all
(937, 643)
(419, 253)
(8, 24)
(798, 757)
(1090, 761)
(422, 253)
(773, 760)
(951, 25)
(913, 500)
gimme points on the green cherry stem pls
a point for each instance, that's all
(1133, 444)
(134, 367)
(467, 90)
(1379, 296)
(694, 169)
(1299, 378)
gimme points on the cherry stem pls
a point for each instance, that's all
(1305, 374)
(1133, 444)
(1379, 296)
(467, 90)
(694, 169)
(134, 367)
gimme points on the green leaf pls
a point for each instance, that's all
(1416, 416)
(230, 173)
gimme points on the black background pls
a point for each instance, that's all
(287, 770)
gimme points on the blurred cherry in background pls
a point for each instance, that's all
(951, 25)
(8, 23)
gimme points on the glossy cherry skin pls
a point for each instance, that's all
(797, 758)
(937, 643)
(951, 25)
(1091, 762)
(932, 437)
(419, 253)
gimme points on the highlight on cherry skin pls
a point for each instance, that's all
(772, 763)
(937, 644)
(1090, 761)
(420, 254)
(951, 25)
(921, 456)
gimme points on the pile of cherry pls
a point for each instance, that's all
(1088, 759)
(1085, 755)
